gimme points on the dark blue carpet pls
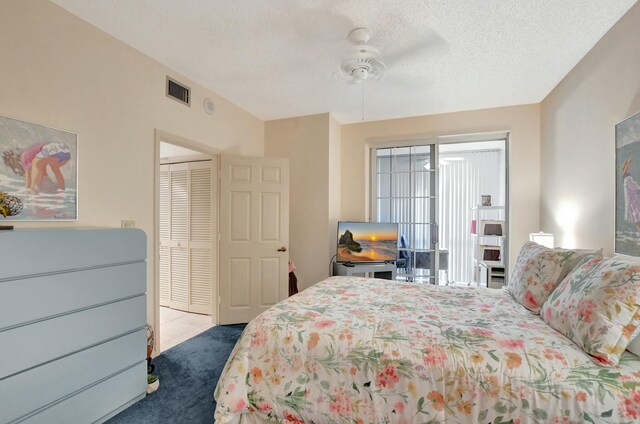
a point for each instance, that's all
(188, 376)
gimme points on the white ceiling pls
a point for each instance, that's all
(279, 58)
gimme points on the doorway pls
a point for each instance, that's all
(186, 230)
(472, 212)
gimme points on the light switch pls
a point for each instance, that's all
(128, 224)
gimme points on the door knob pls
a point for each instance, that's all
(282, 249)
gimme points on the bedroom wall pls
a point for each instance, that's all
(306, 141)
(524, 152)
(58, 70)
(578, 138)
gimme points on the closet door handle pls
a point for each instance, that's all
(282, 249)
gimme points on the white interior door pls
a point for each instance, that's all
(254, 229)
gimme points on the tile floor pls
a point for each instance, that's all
(178, 326)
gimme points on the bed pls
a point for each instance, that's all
(358, 350)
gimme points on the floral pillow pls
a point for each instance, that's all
(573, 260)
(537, 272)
(598, 306)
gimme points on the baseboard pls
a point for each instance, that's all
(120, 409)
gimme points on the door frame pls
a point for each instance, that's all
(214, 154)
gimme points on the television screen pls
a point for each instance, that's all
(367, 242)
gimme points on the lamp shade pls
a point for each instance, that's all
(544, 239)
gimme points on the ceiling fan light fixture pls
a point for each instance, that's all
(355, 68)
(360, 74)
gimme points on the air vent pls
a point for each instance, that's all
(178, 91)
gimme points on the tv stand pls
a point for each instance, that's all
(385, 271)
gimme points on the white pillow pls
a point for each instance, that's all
(634, 346)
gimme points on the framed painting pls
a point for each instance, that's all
(627, 240)
(38, 172)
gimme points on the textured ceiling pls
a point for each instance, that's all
(279, 58)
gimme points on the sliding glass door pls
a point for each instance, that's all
(432, 189)
(405, 191)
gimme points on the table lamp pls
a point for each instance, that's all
(544, 239)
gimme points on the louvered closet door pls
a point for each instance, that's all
(201, 218)
(164, 277)
(187, 225)
(179, 231)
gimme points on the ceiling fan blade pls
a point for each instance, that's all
(406, 82)
(429, 45)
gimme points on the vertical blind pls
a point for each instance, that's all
(460, 187)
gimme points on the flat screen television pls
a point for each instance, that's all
(367, 242)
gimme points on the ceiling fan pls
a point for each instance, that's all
(363, 63)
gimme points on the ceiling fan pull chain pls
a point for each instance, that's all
(362, 100)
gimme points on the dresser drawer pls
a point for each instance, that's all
(31, 345)
(94, 403)
(35, 298)
(44, 251)
(37, 387)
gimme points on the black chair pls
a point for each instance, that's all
(404, 257)
(423, 259)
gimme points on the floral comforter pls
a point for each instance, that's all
(356, 350)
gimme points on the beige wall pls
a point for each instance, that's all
(306, 142)
(524, 150)
(577, 138)
(58, 70)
